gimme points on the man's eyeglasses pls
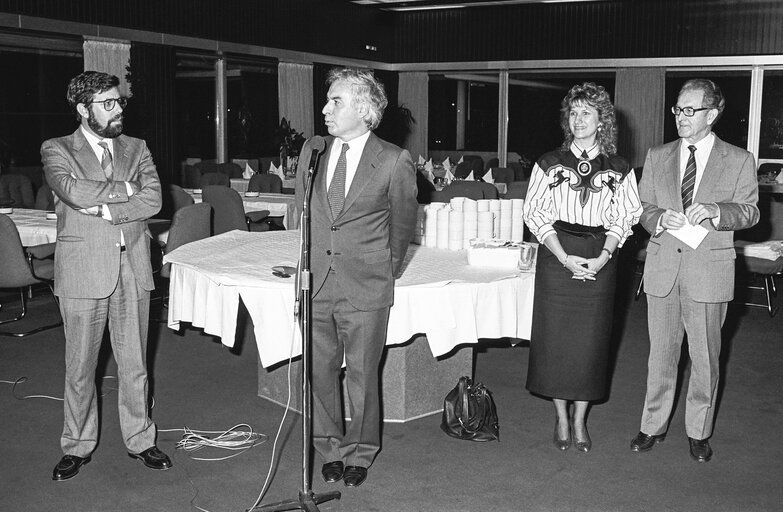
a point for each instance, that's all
(108, 105)
(687, 111)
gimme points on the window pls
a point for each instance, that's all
(771, 133)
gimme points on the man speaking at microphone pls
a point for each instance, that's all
(363, 211)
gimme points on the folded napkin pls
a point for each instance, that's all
(470, 177)
(249, 172)
(428, 166)
(488, 177)
(460, 160)
(449, 177)
(771, 250)
(276, 170)
(430, 176)
(421, 160)
(447, 164)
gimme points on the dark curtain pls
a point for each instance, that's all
(639, 104)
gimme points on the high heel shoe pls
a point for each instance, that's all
(561, 444)
(582, 446)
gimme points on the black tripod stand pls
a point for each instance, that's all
(306, 500)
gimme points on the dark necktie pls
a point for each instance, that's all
(689, 179)
(106, 162)
(336, 193)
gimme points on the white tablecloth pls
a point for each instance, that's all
(34, 228)
(279, 205)
(438, 295)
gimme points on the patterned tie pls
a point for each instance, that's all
(106, 162)
(689, 179)
(336, 193)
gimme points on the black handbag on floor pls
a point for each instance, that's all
(469, 412)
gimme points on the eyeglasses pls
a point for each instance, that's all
(108, 105)
(688, 111)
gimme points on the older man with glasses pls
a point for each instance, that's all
(695, 186)
(106, 187)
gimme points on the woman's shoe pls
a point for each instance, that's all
(561, 444)
(586, 444)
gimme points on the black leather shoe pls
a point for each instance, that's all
(332, 471)
(152, 458)
(700, 449)
(68, 467)
(644, 442)
(354, 476)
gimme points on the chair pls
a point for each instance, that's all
(190, 223)
(516, 190)
(265, 183)
(179, 197)
(470, 189)
(192, 177)
(214, 178)
(476, 164)
(462, 170)
(492, 163)
(751, 269)
(22, 269)
(19, 188)
(502, 175)
(44, 198)
(229, 212)
(424, 188)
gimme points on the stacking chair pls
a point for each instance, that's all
(22, 269)
(750, 270)
(516, 190)
(492, 163)
(179, 197)
(425, 189)
(470, 189)
(19, 188)
(190, 223)
(44, 198)
(214, 178)
(265, 183)
(502, 175)
(462, 170)
(229, 212)
(476, 164)
(192, 177)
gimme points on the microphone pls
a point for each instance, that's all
(318, 144)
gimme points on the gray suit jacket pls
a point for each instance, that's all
(730, 181)
(367, 242)
(87, 258)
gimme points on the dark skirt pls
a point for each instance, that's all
(572, 321)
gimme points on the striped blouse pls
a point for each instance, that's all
(595, 191)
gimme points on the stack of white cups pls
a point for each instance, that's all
(470, 217)
(443, 228)
(418, 231)
(517, 220)
(431, 224)
(494, 207)
(506, 219)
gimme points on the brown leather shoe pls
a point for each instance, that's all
(68, 467)
(152, 458)
(354, 476)
(645, 442)
(332, 471)
(700, 449)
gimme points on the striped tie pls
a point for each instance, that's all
(336, 192)
(689, 180)
(106, 162)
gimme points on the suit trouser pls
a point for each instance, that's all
(127, 311)
(340, 330)
(668, 318)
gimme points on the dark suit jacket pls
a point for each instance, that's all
(87, 258)
(730, 181)
(367, 242)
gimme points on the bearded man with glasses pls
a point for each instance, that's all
(106, 187)
(696, 186)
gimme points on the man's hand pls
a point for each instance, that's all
(673, 220)
(697, 212)
(92, 210)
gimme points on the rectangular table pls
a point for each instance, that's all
(438, 296)
(279, 205)
(33, 226)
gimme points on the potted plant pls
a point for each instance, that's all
(290, 143)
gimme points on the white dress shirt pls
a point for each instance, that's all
(352, 157)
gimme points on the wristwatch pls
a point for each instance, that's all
(607, 251)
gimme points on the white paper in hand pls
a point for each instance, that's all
(691, 235)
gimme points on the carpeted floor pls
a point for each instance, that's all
(199, 384)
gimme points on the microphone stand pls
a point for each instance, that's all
(307, 500)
